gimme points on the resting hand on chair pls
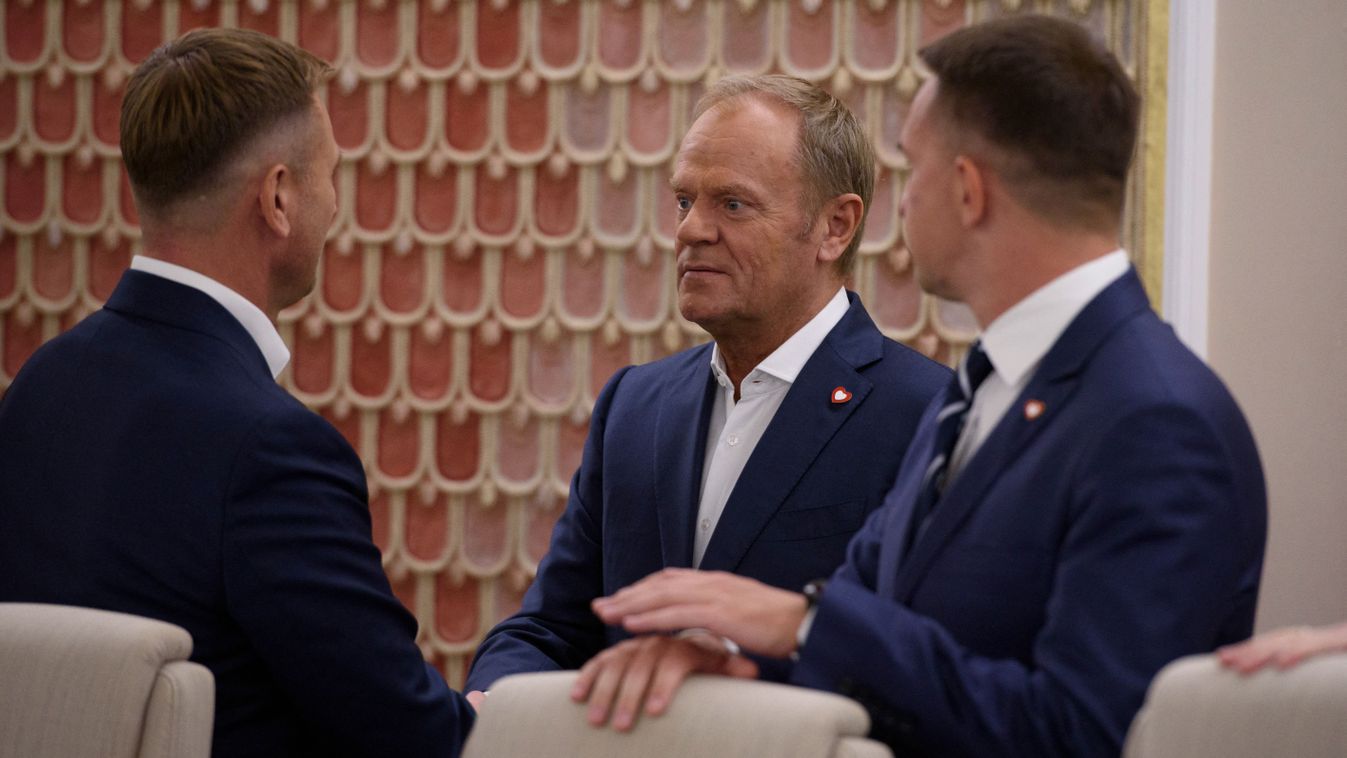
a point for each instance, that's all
(1284, 648)
(650, 669)
(726, 611)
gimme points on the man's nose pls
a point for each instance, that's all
(696, 228)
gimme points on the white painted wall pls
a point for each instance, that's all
(1277, 318)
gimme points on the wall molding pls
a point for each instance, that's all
(1191, 75)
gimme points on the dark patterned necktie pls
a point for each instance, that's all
(973, 370)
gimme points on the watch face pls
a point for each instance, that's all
(814, 590)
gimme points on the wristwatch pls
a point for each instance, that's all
(813, 592)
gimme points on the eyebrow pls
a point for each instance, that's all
(732, 188)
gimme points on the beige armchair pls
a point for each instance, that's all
(84, 682)
(532, 715)
(1197, 709)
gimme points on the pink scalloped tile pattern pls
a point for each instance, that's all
(504, 238)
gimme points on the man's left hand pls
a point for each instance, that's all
(646, 671)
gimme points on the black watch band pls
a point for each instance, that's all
(813, 592)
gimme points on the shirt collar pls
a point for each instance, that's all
(786, 362)
(1019, 338)
(258, 326)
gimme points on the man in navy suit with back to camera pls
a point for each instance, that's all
(1081, 506)
(762, 453)
(150, 463)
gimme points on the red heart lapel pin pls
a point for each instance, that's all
(840, 395)
(1033, 409)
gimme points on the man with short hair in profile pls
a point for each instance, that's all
(150, 463)
(759, 454)
(1082, 506)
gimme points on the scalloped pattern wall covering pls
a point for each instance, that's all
(504, 236)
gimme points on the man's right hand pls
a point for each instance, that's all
(650, 669)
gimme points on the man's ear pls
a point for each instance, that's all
(276, 200)
(842, 219)
(972, 191)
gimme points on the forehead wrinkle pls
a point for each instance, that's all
(726, 153)
(745, 114)
(717, 172)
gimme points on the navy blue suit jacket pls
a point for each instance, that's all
(1074, 555)
(818, 471)
(150, 464)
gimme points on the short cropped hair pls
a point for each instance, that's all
(197, 100)
(1053, 102)
(833, 151)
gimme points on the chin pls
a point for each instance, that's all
(699, 313)
(930, 284)
(293, 291)
(695, 315)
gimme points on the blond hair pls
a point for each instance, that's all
(197, 100)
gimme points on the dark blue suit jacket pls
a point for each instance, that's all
(1074, 555)
(818, 471)
(150, 464)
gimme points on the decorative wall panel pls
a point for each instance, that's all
(504, 236)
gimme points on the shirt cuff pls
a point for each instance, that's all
(806, 624)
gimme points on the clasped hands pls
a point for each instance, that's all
(709, 607)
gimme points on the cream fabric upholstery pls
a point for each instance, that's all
(84, 682)
(1197, 709)
(532, 715)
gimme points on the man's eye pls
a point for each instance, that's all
(733, 205)
(684, 204)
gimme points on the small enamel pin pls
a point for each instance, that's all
(1033, 409)
(840, 395)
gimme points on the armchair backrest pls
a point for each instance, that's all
(79, 681)
(533, 715)
(1195, 708)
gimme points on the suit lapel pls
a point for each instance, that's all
(680, 451)
(802, 426)
(1051, 386)
(1011, 437)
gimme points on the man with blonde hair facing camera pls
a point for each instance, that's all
(762, 453)
(1081, 506)
(150, 463)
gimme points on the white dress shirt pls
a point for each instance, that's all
(1019, 338)
(250, 316)
(736, 427)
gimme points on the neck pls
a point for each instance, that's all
(223, 262)
(743, 346)
(743, 355)
(1020, 267)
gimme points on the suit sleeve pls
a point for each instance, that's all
(1160, 546)
(555, 627)
(304, 581)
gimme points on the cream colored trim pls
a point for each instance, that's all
(1187, 213)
